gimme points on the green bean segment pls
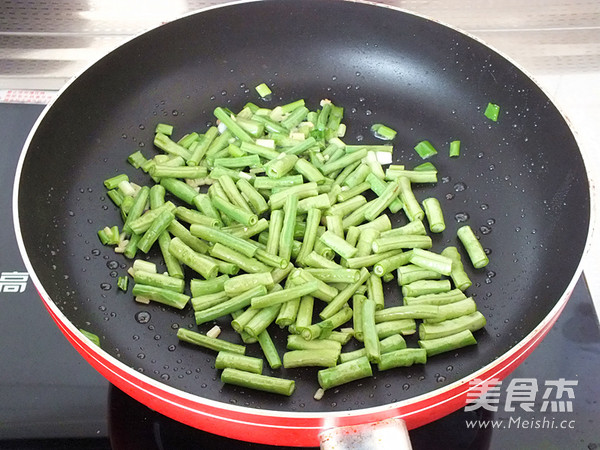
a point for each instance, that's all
(345, 373)
(238, 361)
(473, 247)
(308, 358)
(202, 340)
(447, 343)
(402, 358)
(257, 381)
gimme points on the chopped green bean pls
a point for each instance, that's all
(210, 234)
(434, 214)
(386, 345)
(179, 189)
(216, 344)
(423, 287)
(400, 326)
(174, 268)
(344, 161)
(423, 311)
(370, 338)
(241, 283)
(386, 266)
(411, 205)
(453, 310)
(180, 231)
(238, 361)
(257, 381)
(375, 291)
(414, 227)
(385, 244)
(202, 287)
(297, 342)
(357, 307)
(473, 247)
(310, 358)
(335, 275)
(383, 201)
(247, 264)
(338, 245)
(137, 208)
(227, 307)
(159, 280)
(269, 350)
(274, 298)
(287, 313)
(402, 358)
(344, 295)
(192, 216)
(206, 301)
(364, 246)
(443, 298)
(409, 273)
(415, 176)
(366, 261)
(262, 319)
(323, 291)
(431, 260)
(345, 373)
(447, 343)
(159, 225)
(459, 277)
(192, 259)
(287, 228)
(235, 212)
(471, 322)
(161, 295)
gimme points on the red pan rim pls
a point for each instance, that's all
(291, 428)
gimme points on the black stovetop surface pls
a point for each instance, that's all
(51, 398)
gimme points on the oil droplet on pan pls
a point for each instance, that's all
(143, 317)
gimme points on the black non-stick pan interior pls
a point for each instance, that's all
(520, 182)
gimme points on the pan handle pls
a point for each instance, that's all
(384, 435)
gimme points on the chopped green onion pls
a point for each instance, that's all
(425, 149)
(113, 182)
(91, 336)
(164, 129)
(122, 283)
(492, 111)
(263, 90)
(424, 167)
(383, 132)
(454, 149)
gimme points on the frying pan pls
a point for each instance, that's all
(520, 183)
